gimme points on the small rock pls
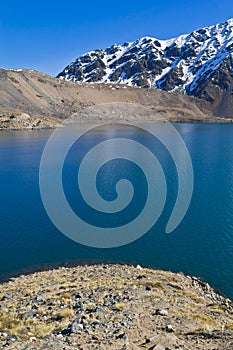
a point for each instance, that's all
(148, 288)
(123, 336)
(161, 312)
(169, 328)
(79, 295)
(59, 336)
(75, 327)
(13, 338)
(80, 327)
(100, 309)
(138, 267)
(66, 331)
(29, 314)
(78, 320)
(32, 339)
(78, 305)
(149, 340)
(158, 347)
(68, 341)
(127, 313)
(39, 299)
(4, 334)
(35, 306)
(23, 116)
(140, 277)
(118, 297)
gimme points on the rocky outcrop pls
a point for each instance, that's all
(24, 121)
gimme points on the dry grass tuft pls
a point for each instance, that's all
(65, 313)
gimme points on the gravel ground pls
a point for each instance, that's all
(113, 307)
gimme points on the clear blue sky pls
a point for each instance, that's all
(47, 35)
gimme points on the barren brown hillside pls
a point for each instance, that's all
(39, 95)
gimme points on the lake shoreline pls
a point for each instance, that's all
(53, 123)
(4, 278)
(112, 112)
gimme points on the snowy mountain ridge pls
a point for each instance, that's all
(186, 64)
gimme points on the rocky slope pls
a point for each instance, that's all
(30, 99)
(197, 64)
(113, 307)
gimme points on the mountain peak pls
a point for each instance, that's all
(230, 21)
(186, 64)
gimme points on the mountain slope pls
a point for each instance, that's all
(39, 95)
(198, 64)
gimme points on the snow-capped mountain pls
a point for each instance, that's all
(187, 64)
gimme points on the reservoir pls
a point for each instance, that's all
(201, 245)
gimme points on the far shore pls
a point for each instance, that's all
(9, 123)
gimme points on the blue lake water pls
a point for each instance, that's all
(201, 245)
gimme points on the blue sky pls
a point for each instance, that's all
(47, 35)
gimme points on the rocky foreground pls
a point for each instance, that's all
(113, 307)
